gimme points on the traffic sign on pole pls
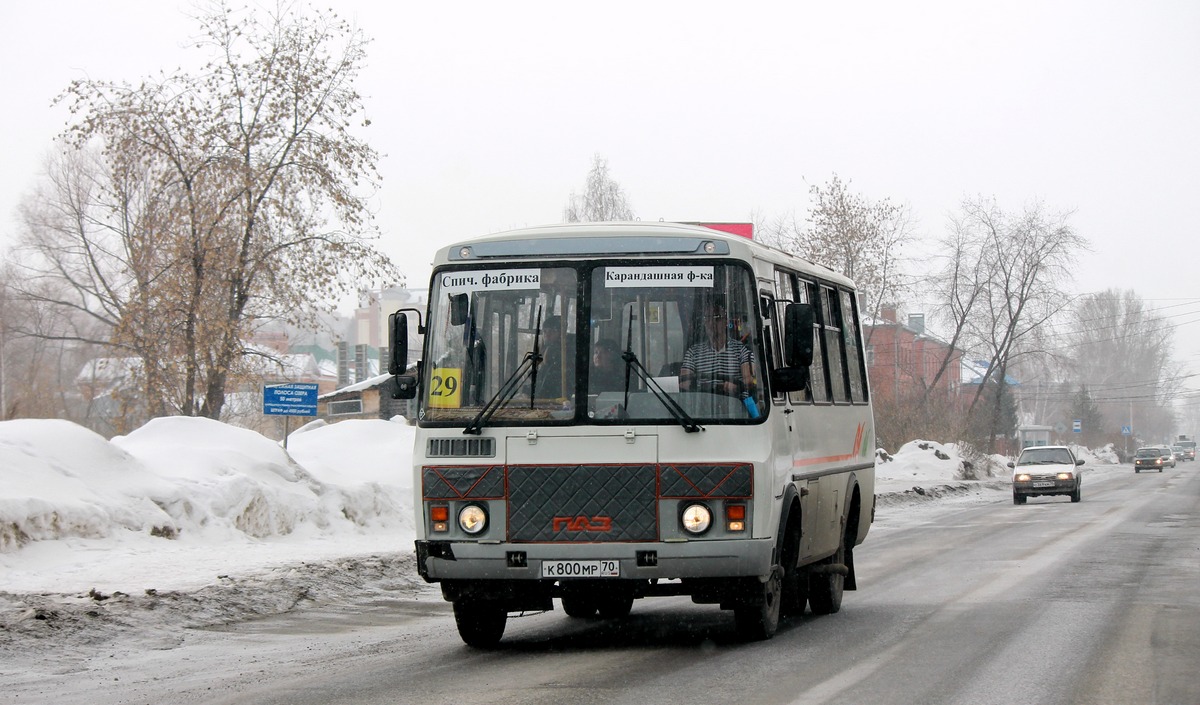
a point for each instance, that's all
(293, 399)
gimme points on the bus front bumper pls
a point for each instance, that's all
(726, 558)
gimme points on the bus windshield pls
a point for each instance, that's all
(594, 342)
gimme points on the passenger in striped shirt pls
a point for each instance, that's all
(718, 363)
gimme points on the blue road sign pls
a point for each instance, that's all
(1077, 426)
(1126, 431)
(295, 399)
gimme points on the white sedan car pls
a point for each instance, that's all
(1047, 470)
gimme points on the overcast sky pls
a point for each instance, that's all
(488, 114)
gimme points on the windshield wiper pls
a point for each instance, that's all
(633, 363)
(537, 357)
(506, 392)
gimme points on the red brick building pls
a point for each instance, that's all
(902, 359)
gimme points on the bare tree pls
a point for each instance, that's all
(1028, 258)
(853, 235)
(40, 356)
(7, 316)
(217, 201)
(1122, 353)
(959, 284)
(602, 198)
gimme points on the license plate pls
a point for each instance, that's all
(581, 569)
(1043, 484)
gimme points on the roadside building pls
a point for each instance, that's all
(903, 360)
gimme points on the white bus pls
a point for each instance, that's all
(612, 411)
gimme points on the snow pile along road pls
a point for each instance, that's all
(182, 500)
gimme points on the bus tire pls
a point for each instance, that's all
(825, 587)
(759, 620)
(795, 581)
(578, 606)
(615, 606)
(480, 623)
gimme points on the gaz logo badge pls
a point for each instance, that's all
(582, 523)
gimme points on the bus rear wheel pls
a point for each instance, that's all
(827, 582)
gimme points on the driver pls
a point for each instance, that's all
(718, 363)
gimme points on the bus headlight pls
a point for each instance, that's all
(472, 519)
(696, 519)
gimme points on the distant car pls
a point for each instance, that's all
(1047, 470)
(1152, 458)
(1179, 453)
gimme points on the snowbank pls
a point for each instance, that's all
(182, 500)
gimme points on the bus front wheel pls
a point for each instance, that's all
(480, 623)
(579, 606)
(759, 619)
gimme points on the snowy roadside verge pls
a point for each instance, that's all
(82, 621)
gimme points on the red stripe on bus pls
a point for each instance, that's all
(858, 436)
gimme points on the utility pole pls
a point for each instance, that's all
(1130, 428)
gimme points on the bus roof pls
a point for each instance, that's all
(628, 239)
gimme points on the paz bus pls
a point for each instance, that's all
(616, 411)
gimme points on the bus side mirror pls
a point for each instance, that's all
(404, 386)
(397, 343)
(798, 340)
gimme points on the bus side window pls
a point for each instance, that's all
(819, 372)
(852, 335)
(835, 351)
(770, 346)
(787, 290)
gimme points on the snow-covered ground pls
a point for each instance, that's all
(191, 521)
(182, 501)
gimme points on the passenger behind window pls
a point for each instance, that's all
(608, 370)
(553, 382)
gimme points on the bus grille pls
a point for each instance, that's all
(597, 503)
